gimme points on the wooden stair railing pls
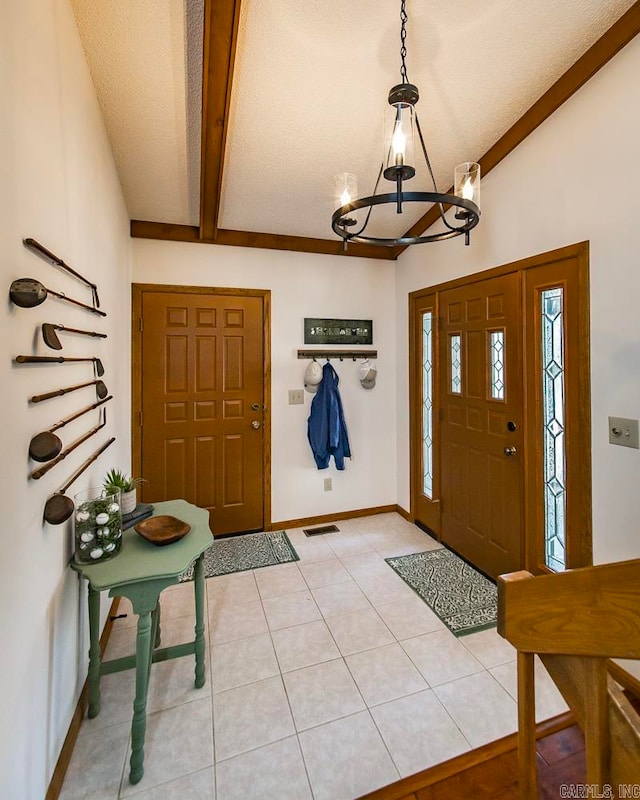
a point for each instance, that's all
(575, 621)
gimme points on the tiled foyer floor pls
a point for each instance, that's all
(326, 679)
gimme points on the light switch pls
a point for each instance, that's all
(624, 431)
(296, 396)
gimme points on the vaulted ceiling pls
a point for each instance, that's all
(229, 118)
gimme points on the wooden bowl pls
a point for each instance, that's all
(162, 529)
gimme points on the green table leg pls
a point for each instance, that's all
(139, 724)
(158, 637)
(94, 653)
(198, 582)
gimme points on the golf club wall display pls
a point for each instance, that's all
(52, 340)
(46, 447)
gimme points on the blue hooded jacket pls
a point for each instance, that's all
(327, 430)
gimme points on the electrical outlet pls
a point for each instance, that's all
(296, 396)
(623, 431)
(327, 485)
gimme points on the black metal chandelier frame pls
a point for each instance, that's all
(467, 212)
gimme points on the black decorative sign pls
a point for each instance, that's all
(338, 331)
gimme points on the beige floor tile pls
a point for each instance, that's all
(340, 599)
(418, 732)
(178, 601)
(173, 682)
(409, 617)
(195, 786)
(178, 630)
(321, 693)
(250, 716)
(234, 589)
(346, 758)
(384, 674)
(278, 580)
(400, 548)
(366, 565)
(348, 545)
(387, 588)
(304, 645)
(313, 550)
(274, 771)
(231, 622)
(291, 609)
(440, 657)
(489, 647)
(96, 765)
(178, 741)
(324, 573)
(242, 661)
(480, 707)
(549, 701)
(116, 701)
(359, 630)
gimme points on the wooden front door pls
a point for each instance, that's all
(203, 405)
(481, 422)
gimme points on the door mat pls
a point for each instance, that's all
(240, 553)
(464, 599)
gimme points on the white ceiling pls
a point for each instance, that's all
(309, 93)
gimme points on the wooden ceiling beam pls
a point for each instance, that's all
(268, 241)
(610, 43)
(221, 22)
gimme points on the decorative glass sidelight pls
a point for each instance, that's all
(427, 404)
(455, 341)
(553, 421)
(496, 354)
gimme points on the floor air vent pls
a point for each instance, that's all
(322, 529)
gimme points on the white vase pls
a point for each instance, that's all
(128, 501)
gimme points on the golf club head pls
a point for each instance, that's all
(58, 509)
(101, 390)
(27, 292)
(51, 338)
(98, 367)
(44, 446)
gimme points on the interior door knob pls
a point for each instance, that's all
(510, 451)
(255, 424)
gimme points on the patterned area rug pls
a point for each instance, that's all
(239, 553)
(461, 596)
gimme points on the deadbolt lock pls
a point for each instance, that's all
(511, 426)
(255, 406)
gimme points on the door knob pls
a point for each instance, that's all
(510, 451)
(255, 424)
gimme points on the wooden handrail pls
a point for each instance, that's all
(591, 611)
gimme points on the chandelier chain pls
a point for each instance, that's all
(403, 41)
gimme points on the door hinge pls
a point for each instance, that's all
(140, 418)
(140, 324)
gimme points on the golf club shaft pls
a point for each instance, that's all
(38, 398)
(38, 473)
(86, 465)
(32, 244)
(62, 296)
(78, 414)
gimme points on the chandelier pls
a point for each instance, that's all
(398, 167)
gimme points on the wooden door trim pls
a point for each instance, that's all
(580, 550)
(138, 291)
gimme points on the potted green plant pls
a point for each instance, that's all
(116, 481)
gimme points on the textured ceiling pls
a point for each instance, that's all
(309, 93)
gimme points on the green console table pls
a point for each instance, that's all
(140, 572)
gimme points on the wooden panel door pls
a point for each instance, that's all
(203, 405)
(481, 412)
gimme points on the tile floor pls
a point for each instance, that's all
(326, 679)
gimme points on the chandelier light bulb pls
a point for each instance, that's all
(399, 145)
(345, 197)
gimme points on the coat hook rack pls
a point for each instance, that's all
(341, 354)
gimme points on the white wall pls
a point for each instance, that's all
(58, 185)
(306, 285)
(573, 179)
